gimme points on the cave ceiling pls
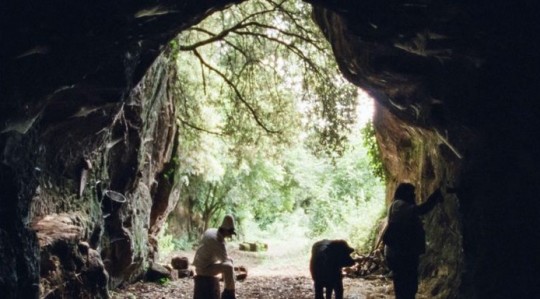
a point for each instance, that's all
(460, 78)
(412, 56)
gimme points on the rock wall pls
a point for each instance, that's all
(421, 156)
(455, 87)
(82, 134)
(104, 162)
(73, 106)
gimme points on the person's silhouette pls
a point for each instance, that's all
(405, 239)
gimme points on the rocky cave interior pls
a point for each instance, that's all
(87, 133)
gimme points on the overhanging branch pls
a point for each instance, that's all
(289, 46)
(199, 128)
(236, 91)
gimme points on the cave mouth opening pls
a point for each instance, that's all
(69, 81)
(270, 131)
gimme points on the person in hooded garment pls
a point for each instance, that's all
(405, 238)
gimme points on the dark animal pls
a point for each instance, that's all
(328, 257)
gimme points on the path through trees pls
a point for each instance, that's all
(280, 273)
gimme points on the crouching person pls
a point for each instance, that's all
(211, 258)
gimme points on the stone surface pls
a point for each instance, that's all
(457, 88)
(157, 272)
(454, 109)
(59, 227)
(68, 265)
(72, 269)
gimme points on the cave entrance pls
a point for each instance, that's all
(455, 80)
(271, 132)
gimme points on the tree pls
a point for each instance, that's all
(271, 71)
(264, 116)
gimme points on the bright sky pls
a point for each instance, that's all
(365, 108)
(364, 111)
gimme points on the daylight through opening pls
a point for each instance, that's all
(271, 132)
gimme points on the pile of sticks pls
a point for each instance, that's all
(367, 265)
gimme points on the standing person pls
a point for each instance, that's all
(211, 257)
(405, 238)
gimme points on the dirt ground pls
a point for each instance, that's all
(280, 272)
(261, 287)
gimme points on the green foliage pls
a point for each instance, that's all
(337, 191)
(167, 243)
(363, 230)
(171, 169)
(182, 243)
(373, 151)
(265, 124)
(261, 72)
(164, 281)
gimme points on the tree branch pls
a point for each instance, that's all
(214, 38)
(287, 33)
(222, 34)
(231, 44)
(237, 92)
(292, 16)
(244, 24)
(200, 129)
(289, 46)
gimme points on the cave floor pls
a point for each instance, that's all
(259, 287)
(280, 272)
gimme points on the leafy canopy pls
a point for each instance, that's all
(265, 120)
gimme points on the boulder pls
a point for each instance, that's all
(157, 272)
